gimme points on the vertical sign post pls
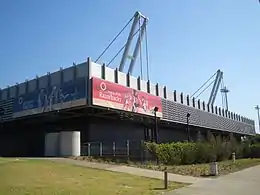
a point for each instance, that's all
(88, 149)
(127, 149)
(100, 149)
(165, 178)
(114, 148)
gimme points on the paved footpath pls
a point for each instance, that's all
(245, 182)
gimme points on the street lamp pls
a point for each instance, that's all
(155, 124)
(188, 128)
(258, 115)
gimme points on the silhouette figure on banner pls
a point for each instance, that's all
(42, 100)
(46, 102)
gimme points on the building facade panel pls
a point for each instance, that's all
(176, 112)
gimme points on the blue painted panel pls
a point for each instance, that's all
(51, 98)
(6, 109)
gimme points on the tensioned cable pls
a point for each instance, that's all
(140, 42)
(121, 49)
(204, 84)
(114, 39)
(205, 89)
(146, 51)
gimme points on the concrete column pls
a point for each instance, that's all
(70, 143)
(51, 148)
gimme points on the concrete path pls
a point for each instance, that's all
(245, 182)
(132, 170)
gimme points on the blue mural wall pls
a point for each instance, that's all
(6, 109)
(51, 98)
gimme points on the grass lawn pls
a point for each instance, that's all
(35, 177)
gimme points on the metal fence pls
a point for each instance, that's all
(128, 149)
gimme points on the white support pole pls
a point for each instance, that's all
(89, 149)
(100, 149)
(258, 116)
(127, 148)
(128, 43)
(137, 47)
(114, 148)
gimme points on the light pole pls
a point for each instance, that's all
(258, 115)
(155, 124)
(188, 127)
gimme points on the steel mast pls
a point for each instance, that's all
(258, 115)
(137, 18)
(216, 86)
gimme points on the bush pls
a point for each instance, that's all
(246, 150)
(189, 153)
(205, 153)
(169, 153)
(182, 153)
(215, 149)
(255, 150)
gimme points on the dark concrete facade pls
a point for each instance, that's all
(24, 134)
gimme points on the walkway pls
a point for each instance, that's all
(239, 183)
(132, 170)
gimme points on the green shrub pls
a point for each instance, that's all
(171, 153)
(255, 150)
(253, 139)
(167, 153)
(226, 151)
(204, 153)
(189, 153)
(182, 153)
(246, 150)
(215, 149)
(211, 139)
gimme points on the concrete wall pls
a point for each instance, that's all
(90, 69)
(70, 143)
(112, 130)
(172, 134)
(64, 143)
(52, 144)
(55, 78)
(21, 142)
(107, 131)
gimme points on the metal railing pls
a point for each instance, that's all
(127, 149)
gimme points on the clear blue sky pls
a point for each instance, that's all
(188, 41)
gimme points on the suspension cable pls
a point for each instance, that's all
(204, 84)
(146, 52)
(140, 42)
(223, 98)
(205, 89)
(121, 49)
(114, 39)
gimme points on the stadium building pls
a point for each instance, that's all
(55, 114)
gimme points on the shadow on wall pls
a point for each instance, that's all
(22, 144)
